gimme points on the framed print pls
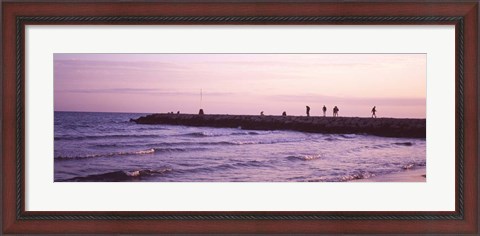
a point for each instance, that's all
(229, 117)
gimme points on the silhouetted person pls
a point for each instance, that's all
(261, 113)
(373, 112)
(201, 112)
(308, 111)
(324, 109)
(284, 113)
(178, 112)
(335, 111)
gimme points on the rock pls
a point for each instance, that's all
(387, 127)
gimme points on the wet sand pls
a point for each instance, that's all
(415, 175)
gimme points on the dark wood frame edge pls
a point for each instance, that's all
(24, 220)
(23, 215)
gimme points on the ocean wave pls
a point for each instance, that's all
(340, 178)
(107, 145)
(407, 144)
(110, 136)
(201, 134)
(414, 165)
(222, 167)
(382, 146)
(208, 134)
(75, 126)
(354, 176)
(116, 176)
(150, 128)
(305, 157)
(207, 168)
(174, 144)
(253, 163)
(245, 142)
(111, 154)
(331, 139)
(226, 143)
(348, 136)
(275, 141)
(340, 137)
(245, 133)
(408, 166)
(404, 143)
(141, 152)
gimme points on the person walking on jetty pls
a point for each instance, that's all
(373, 112)
(324, 110)
(308, 111)
(335, 111)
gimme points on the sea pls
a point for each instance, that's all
(107, 147)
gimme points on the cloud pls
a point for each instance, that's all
(120, 91)
(111, 90)
(70, 64)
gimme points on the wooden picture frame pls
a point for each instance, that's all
(17, 14)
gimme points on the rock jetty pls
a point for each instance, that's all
(386, 127)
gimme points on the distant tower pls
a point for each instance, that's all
(200, 112)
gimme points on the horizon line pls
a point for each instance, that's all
(125, 112)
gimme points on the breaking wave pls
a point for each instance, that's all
(237, 142)
(200, 134)
(414, 165)
(305, 157)
(360, 175)
(116, 176)
(132, 153)
(246, 133)
(207, 134)
(228, 166)
(110, 136)
(404, 144)
(382, 146)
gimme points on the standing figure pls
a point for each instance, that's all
(308, 111)
(373, 112)
(261, 113)
(335, 111)
(284, 113)
(324, 110)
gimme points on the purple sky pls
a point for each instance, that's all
(242, 83)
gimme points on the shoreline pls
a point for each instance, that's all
(385, 127)
(409, 175)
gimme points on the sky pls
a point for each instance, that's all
(242, 83)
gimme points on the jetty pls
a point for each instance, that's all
(385, 127)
